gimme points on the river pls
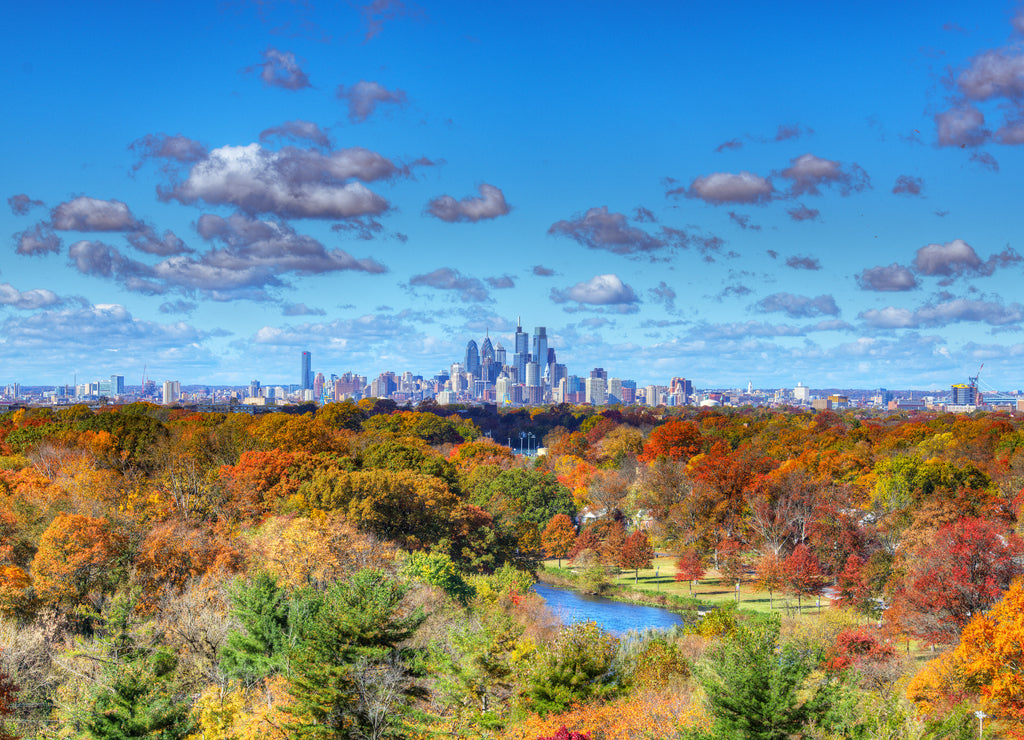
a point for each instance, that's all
(615, 616)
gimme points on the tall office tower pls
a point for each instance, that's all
(502, 390)
(472, 363)
(595, 391)
(306, 376)
(599, 372)
(614, 390)
(522, 354)
(117, 385)
(549, 371)
(486, 349)
(499, 355)
(254, 389)
(489, 367)
(540, 347)
(560, 371)
(652, 395)
(318, 386)
(532, 375)
(172, 392)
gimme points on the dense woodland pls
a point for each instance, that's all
(364, 571)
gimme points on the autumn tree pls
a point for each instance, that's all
(637, 552)
(558, 537)
(576, 667)
(770, 576)
(77, 557)
(8, 692)
(675, 439)
(689, 567)
(852, 588)
(803, 573)
(956, 576)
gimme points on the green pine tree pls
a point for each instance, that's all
(349, 673)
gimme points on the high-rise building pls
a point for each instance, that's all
(614, 391)
(965, 395)
(306, 375)
(472, 363)
(522, 353)
(254, 389)
(318, 386)
(499, 355)
(117, 385)
(595, 391)
(532, 375)
(172, 392)
(540, 348)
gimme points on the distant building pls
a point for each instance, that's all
(802, 393)
(965, 395)
(306, 373)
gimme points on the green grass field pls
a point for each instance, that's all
(710, 589)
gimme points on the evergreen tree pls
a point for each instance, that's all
(349, 672)
(755, 685)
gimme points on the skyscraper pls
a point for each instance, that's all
(306, 376)
(472, 359)
(522, 353)
(540, 347)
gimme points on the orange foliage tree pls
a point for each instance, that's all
(77, 557)
(675, 439)
(558, 537)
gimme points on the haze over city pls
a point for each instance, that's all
(201, 191)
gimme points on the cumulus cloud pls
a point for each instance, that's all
(995, 73)
(178, 306)
(943, 313)
(301, 309)
(908, 185)
(720, 188)
(798, 306)
(809, 173)
(644, 215)
(89, 328)
(541, 271)
(29, 300)
(469, 289)
(21, 204)
(501, 282)
(280, 69)
(175, 150)
(37, 240)
(489, 204)
(297, 130)
(958, 259)
(743, 221)
(253, 243)
(292, 183)
(963, 125)
(599, 228)
(363, 98)
(803, 263)
(91, 214)
(887, 278)
(736, 290)
(365, 228)
(803, 213)
(146, 240)
(600, 290)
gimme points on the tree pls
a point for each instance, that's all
(731, 565)
(564, 734)
(675, 439)
(852, 589)
(803, 573)
(347, 645)
(269, 624)
(8, 692)
(756, 685)
(771, 575)
(437, 569)
(576, 667)
(558, 537)
(689, 567)
(637, 552)
(140, 703)
(77, 556)
(957, 575)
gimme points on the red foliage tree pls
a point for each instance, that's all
(587, 540)
(564, 734)
(7, 696)
(723, 477)
(771, 575)
(689, 567)
(803, 573)
(853, 590)
(960, 573)
(637, 553)
(857, 647)
(676, 439)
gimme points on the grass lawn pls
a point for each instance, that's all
(710, 589)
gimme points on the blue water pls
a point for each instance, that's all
(614, 616)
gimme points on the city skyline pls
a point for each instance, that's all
(777, 195)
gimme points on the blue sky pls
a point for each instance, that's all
(727, 192)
